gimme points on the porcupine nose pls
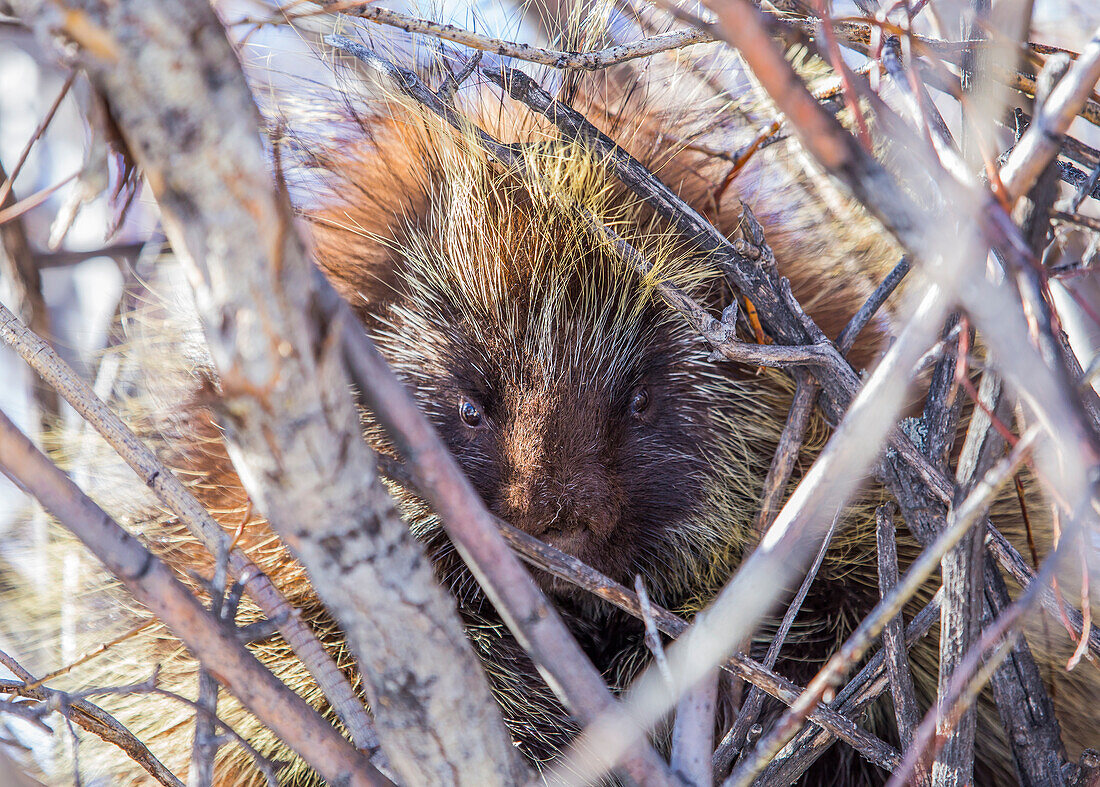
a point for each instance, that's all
(561, 496)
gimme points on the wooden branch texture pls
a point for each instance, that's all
(177, 92)
(153, 584)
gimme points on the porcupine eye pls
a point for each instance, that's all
(639, 401)
(469, 414)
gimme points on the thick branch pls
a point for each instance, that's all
(178, 95)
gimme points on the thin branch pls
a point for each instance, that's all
(17, 209)
(787, 451)
(851, 701)
(963, 576)
(116, 251)
(585, 61)
(870, 307)
(92, 718)
(180, 501)
(960, 521)
(906, 710)
(153, 584)
(734, 741)
(1081, 220)
(18, 264)
(8, 181)
(266, 766)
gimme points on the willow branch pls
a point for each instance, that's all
(153, 584)
(584, 61)
(91, 718)
(192, 514)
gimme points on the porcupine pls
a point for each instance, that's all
(585, 411)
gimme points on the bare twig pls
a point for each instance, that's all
(181, 502)
(266, 766)
(960, 521)
(867, 311)
(18, 264)
(867, 685)
(962, 577)
(734, 740)
(154, 585)
(586, 61)
(787, 451)
(17, 209)
(8, 181)
(92, 718)
(906, 710)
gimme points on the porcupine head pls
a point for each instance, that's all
(583, 408)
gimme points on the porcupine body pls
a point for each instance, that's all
(584, 410)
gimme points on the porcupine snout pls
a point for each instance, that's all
(556, 482)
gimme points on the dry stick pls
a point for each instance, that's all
(25, 279)
(870, 307)
(290, 422)
(863, 689)
(1023, 701)
(906, 710)
(787, 451)
(968, 680)
(181, 502)
(92, 718)
(153, 584)
(734, 740)
(586, 61)
(8, 181)
(16, 209)
(960, 520)
(1081, 220)
(575, 571)
(204, 747)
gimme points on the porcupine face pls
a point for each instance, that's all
(575, 400)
